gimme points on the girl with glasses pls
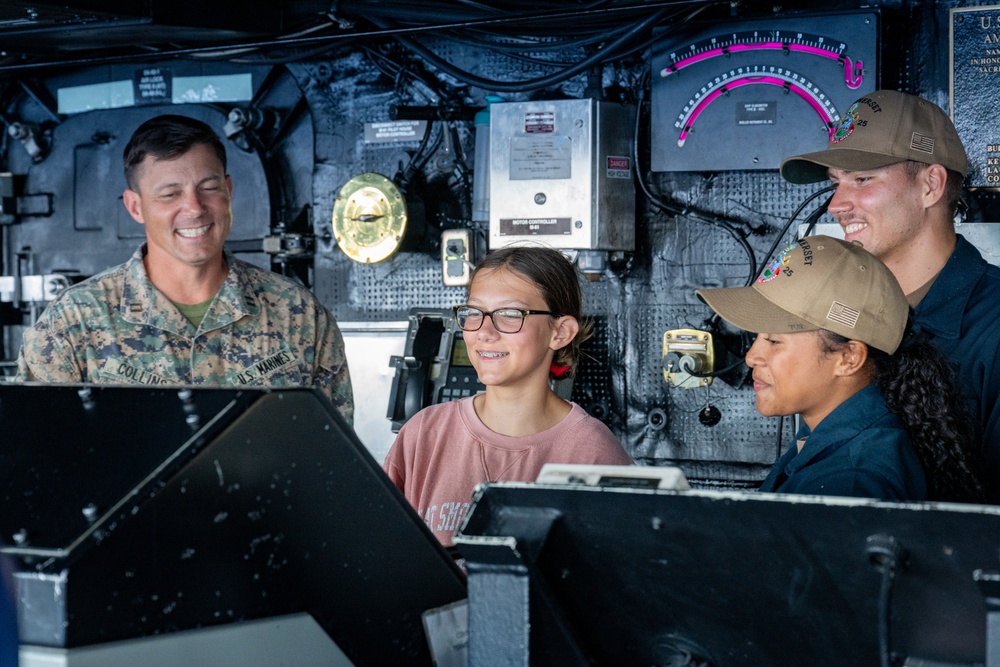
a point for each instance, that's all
(522, 328)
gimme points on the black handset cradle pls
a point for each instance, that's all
(434, 368)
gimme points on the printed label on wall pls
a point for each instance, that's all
(395, 131)
(535, 226)
(618, 167)
(540, 122)
(540, 157)
(756, 113)
(152, 85)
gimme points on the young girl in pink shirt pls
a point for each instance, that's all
(522, 328)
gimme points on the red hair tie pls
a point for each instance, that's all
(557, 370)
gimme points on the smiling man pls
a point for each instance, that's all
(898, 166)
(183, 310)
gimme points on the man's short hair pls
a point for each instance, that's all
(954, 187)
(167, 137)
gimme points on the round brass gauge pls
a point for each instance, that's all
(369, 218)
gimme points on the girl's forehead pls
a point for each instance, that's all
(502, 280)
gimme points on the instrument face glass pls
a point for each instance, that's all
(749, 94)
(369, 218)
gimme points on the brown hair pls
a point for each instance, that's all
(953, 186)
(167, 137)
(559, 283)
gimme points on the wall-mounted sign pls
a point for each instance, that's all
(975, 77)
(153, 85)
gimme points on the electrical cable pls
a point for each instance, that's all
(384, 63)
(813, 217)
(514, 53)
(643, 45)
(810, 224)
(520, 43)
(600, 33)
(682, 210)
(530, 84)
(299, 56)
(419, 157)
(428, 88)
(546, 17)
(717, 373)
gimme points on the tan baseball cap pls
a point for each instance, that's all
(819, 283)
(880, 129)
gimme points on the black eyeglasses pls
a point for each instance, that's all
(505, 320)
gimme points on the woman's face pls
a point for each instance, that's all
(510, 359)
(793, 374)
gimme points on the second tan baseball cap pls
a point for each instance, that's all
(880, 129)
(819, 283)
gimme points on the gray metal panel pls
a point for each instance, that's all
(370, 345)
(549, 175)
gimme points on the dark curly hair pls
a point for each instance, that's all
(557, 279)
(920, 386)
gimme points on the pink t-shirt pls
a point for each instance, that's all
(444, 450)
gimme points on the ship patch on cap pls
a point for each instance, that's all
(847, 124)
(773, 270)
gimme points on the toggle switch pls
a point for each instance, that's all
(456, 256)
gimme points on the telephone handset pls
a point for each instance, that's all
(434, 368)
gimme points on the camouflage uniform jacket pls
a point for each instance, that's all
(117, 328)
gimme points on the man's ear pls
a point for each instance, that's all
(934, 181)
(565, 331)
(131, 200)
(851, 358)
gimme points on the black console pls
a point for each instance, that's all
(131, 512)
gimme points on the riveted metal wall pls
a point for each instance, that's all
(643, 294)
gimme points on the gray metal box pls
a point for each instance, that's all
(561, 174)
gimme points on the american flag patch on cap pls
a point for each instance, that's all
(922, 143)
(843, 314)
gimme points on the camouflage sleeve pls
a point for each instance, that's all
(332, 375)
(47, 354)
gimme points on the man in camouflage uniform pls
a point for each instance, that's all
(182, 310)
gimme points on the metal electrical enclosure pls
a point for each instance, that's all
(561, 174)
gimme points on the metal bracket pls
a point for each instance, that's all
(285, 244)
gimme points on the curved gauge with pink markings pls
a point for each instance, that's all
(756, 42)
(772, 40)
(792, 82)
